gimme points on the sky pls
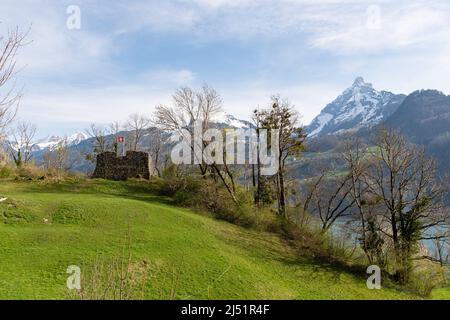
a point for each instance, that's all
(129, 56)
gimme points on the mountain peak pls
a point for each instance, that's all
(77, 137)
(359, 82)
(358, 106)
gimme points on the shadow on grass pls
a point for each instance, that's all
(139, 190)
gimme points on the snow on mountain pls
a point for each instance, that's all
(226, 119)
(47, 142)
(321, 122)
(76, 138)
(358, 106)
(51, 141)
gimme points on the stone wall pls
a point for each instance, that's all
(134, 165)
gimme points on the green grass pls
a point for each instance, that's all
(44, 228)
(441, 294)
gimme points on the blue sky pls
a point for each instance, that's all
(131, 55)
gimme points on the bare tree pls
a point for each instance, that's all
(23, 143)
(10, 98)
(56, 159)
(411, 196)
(311, 186)
(364, 203)
(441, 249)
(138, 125)
(61, 152)
(335, 195)
(99, 135)
(194, 110)
(158, 140)
(190, 108)
(4, 157)
(330, 200)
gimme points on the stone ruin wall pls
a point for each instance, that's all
(134, 165)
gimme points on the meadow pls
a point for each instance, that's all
(131, 243)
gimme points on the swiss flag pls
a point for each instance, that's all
(120, 139)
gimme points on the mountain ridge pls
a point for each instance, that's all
(360, 105)
(52, 140)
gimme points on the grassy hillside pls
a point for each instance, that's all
(45, 228)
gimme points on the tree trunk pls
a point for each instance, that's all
(281, 194)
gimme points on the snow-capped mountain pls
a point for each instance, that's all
(51, 141)
(358, 106)
(227, 120)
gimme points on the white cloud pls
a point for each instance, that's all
(335, 25)
(401, 25)
(52, 47)
(168, 77)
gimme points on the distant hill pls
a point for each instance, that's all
(424, 118)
